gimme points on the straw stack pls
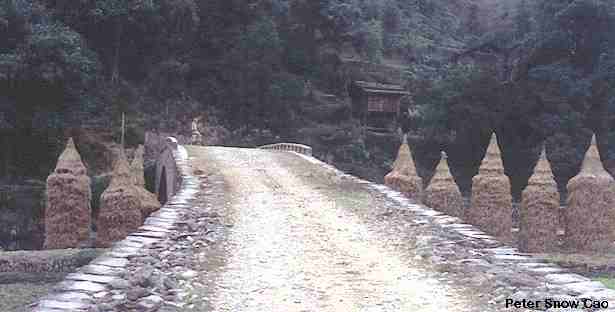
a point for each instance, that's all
(491, 207)
(590, 217)
(443, 193)
(120, 208)
(67, 214)
(148, 201)
(136, 166)
(539, 213)
(403, 177)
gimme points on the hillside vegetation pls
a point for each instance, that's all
(278, 70)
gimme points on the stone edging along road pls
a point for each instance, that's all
(493, 256)
(79, 290)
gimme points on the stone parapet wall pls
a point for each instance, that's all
(156, 143)
(530, 277)
(76, 293)
(45, 261)
(289, 147)
(168, 177)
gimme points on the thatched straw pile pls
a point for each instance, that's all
(149, 202)
(539, 213)
(197, 137)
(136, 166)
(67, 215)
(590, 216)
(443, 193)
(403, 177)
(120, 207)
(491, 207)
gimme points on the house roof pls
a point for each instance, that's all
(374, 87)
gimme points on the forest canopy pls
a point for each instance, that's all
(546, 75)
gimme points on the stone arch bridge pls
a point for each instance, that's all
(274, 229)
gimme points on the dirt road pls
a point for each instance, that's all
(299, 239)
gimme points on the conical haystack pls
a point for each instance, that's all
(403, 177)
(491, 208)
(197, 137)
(149, 202)
(67, 215)
(539, 215)
(443, 193)
(590, 216)
(136, 166)
(120, 209)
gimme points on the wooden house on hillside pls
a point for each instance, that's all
(377, 105)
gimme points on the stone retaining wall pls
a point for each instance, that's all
(77, 292)
(289, 147)
(45, 261)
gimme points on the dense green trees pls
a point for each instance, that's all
(553, 82)
(552, 78)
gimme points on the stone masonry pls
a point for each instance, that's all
(148, 201)
(106, 277)
(103, 286)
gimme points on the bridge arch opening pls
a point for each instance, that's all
(162, 189)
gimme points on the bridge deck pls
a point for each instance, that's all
(261, 230)
(303, 240)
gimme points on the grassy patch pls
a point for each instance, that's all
(579, 259)
(609, 282)
(15, 297)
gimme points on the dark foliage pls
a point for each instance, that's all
(67, 64)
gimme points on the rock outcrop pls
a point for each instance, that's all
(443, 193)
(148, 201)
(68, 211)
(539, 214)
(491, 208)
(120, 206)
(590, 217)
(403, 177)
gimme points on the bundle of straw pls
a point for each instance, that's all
(136, 166)
(590, 217)
(539, 214)
(120, 207)
(443, 193)
(67, 214)
(403, 177)
(491, 207)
